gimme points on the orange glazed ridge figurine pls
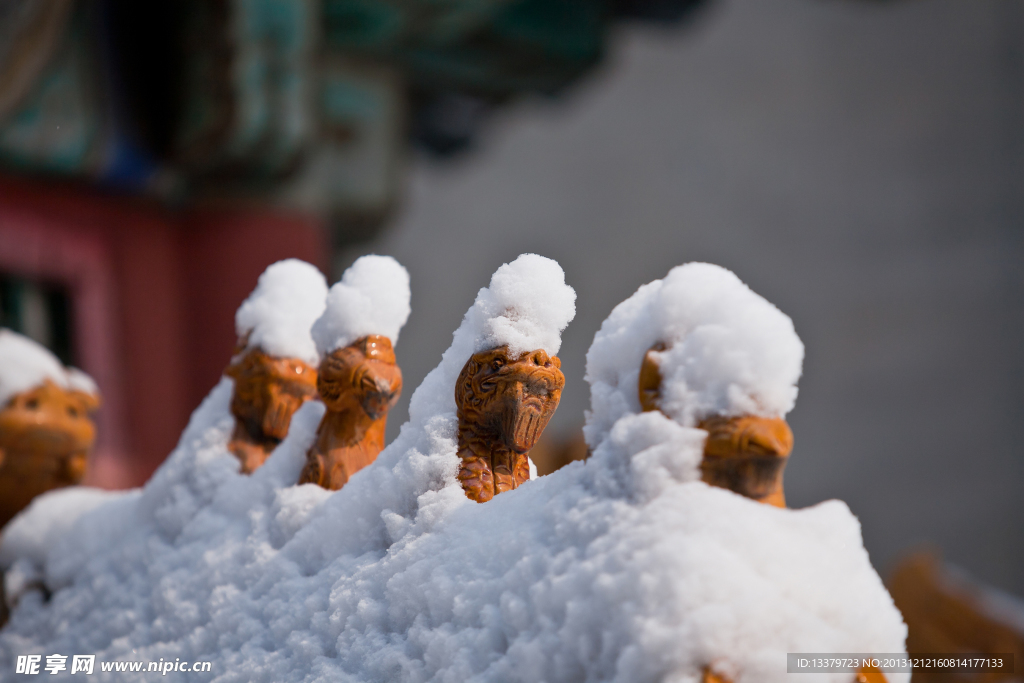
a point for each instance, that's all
(503, 405)
(359, 380)
(267, 393)
(46, 430)
(359, 384)
(707, 373)
(274, 365)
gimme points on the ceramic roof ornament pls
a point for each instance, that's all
(274, 366)
(510, 387)
(359, 380)
(731, 370)
(699, 353)
(46, 425)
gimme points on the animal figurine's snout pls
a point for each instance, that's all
(747, 454)
(279, 404)
(523, 412)
(380, 396)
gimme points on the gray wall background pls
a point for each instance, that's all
(858, 164)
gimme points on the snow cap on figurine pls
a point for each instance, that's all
(25, 364)
(372, 297)
(278, 315)
(526, 306)
(79, 381)
(728, 351)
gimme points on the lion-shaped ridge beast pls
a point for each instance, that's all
(503, 404)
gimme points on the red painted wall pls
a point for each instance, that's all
(224, 251)
(153, 333)
(174, 280)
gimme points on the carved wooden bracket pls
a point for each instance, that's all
(503, 405)
(359, 384)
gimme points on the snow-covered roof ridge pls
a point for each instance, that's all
(399, 577)
(277, 316)
(729, 351)
(25, 364)
(413, 479)
(372, 297)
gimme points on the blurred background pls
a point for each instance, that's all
(860, 163)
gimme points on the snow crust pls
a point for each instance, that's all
(25, 364)
(372, 297)
(623, 568)
(277, 317)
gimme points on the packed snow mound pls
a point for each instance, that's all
(25, 364)
(372, 297)
(622, 568)
(729, 351)
(278, 315)
(49, 517)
